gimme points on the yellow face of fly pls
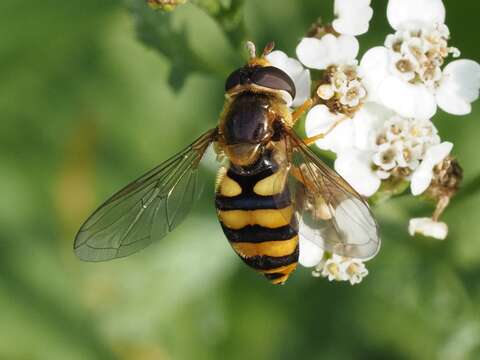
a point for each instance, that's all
(259, 60)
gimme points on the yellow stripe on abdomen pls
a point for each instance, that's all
(229, 187)
(271, 185)
(257, 216)
(269, 248)
(279, 276)
(269, 218)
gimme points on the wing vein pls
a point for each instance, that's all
(127, 222)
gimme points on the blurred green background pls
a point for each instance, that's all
(86, 106)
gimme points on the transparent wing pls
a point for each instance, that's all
(146, 209)
(330, 212)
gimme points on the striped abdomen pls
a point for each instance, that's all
(257, 217)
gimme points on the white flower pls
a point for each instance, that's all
(406, 74)
(333, 266)
(353, 93)
(294, 69)
(395, 148)
(428, 227)
(415, 13)
(340, 268)
(319, 120)
(341, 89)
(355, 166)
(344, 95)
(352, 139)
(326, 91)
(353, 16)
(423, 175)
(333, 269)
(342, 85)
(310, 254)
(452, 97)
(355, 270)
(329, 50)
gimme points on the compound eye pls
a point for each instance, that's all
(274, 78)
(240, 76)
(233, 80)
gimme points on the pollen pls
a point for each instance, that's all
(407, 155)
(341, 90)
(388, 156)
(421, 54)
(404, 66)
(397, 46)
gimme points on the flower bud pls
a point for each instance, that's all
(318, 30)
(447, 177)
(165, 5)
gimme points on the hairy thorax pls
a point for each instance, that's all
(250, 121)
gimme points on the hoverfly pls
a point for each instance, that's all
(273, 190)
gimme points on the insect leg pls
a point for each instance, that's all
(311, 140)
(297, 114)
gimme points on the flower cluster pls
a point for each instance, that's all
(407, 74)
(331, 266)
(376, 112)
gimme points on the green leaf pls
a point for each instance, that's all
(160, 31)
(230, 17)
(168, 33)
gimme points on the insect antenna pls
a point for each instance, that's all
(268, 48)
(252, 51)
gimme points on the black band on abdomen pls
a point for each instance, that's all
(253, 201)
(258, 234)
(273, 276)
(269, 262)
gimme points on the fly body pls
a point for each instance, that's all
(272, 191)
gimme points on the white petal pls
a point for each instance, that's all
(303, 84)
(459, 87)
(329, 50)
(353, 16)
(325, 91)
(428, 227)
(408, 100)
(368, 121)
(422, 176)
(421, 179)
(373, 70)
(319, 120)
(355, 167)
(355, 270)
(417, 13)
(436, 154)
(294, 69)
(340, 138)
(333, 269)
(281, 60)
(309, 52)
(345, 49)
(310, 254)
